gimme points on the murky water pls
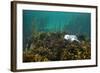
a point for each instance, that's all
(46, 21)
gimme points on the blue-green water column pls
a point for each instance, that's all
(53, 21)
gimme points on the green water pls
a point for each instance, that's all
(52, 21)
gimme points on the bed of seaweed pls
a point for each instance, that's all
(51, 46)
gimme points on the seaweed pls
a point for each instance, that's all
(51, 46)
